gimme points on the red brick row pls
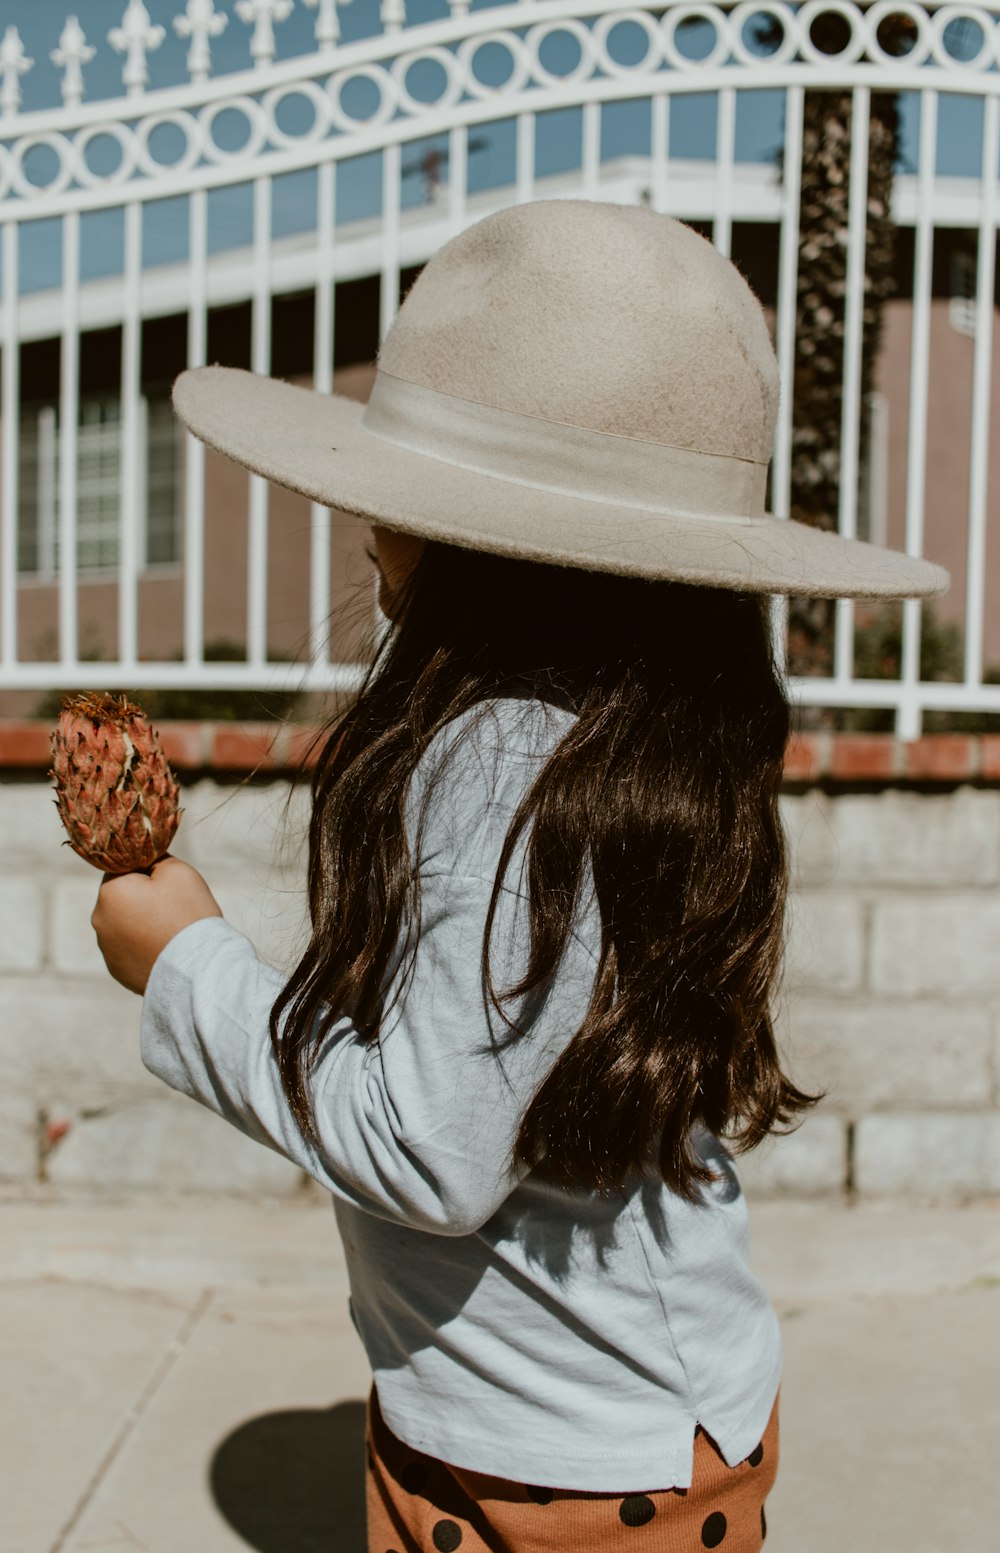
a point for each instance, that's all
(290, 747)
(881, 757)
(189, 746)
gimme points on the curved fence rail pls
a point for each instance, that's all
(812, 142)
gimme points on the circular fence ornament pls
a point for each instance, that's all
(584, 66)
(192, 143)
(309, 92)
(603, 29)
(713, 17)
(62, 151)
(384, 85)
(256, 129)
(880, 17)
(519, 57)
(958, 22)
(779, 15)
(454, 82)
(854, 27)
(123, 137)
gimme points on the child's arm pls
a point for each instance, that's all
(416, 1128)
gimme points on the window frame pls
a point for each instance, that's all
(43, 531)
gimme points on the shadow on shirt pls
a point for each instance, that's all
(550, 1238)
(293, 1482)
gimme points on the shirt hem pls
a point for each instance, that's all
(669, 1468)
(746, 1440)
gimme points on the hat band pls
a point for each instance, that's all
(569, 460)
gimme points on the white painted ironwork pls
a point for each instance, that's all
(135, 38)
(319, 517)
(788, 268)
(194, 485)
(131, 501)
(909, 711)
(72, 54)
(200, 22)
(979, 450)
(851, 414)
(327, 21)
(260, 361)
(262, 15)
(9, 428)
(301, 114)
(14, 63)
(69, 405)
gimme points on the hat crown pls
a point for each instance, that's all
(612, 317)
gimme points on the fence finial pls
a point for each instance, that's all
(327, 21)
(393, 15)
(135, 38)
(13, 64)
(200, 22)
(72, 54)
(263, 14)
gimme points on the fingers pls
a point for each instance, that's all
(141, 890)
(137, 914)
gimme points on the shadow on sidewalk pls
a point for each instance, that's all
(294, 1482)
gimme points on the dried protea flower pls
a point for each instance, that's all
(115, 792)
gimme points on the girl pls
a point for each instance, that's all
(546, 881)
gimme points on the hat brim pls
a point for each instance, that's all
(314, 444)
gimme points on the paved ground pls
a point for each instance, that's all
(184, 1379)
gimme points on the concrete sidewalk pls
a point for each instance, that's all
(184, 1378)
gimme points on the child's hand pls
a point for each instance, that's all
(138, 914)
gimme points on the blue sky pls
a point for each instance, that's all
(491, 161)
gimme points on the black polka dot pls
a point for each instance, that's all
(413, 1476)
(756, 1456)
(713, 1530)
(447, 1536)
(539, 1495)
(636, 1510)
(763, 1522)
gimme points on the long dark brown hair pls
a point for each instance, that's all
(664, 788)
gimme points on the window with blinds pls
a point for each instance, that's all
(962, 302)
(98, 486)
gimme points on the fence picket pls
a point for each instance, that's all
(982, 382)
(9, 428)
(69, 404)
(319, 517)
(194, 450)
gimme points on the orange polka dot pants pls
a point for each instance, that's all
(417, 1504)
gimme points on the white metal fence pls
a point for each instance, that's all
(496, 65)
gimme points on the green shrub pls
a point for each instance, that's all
(878, 650)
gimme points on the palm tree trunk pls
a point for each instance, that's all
(817, 392)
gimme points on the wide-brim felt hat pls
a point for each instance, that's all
(569, 381)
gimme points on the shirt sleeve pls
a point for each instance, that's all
(416, 1128)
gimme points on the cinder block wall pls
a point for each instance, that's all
(77, 1109)
(891, 994)
(890, 1000)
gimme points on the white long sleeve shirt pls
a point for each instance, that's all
(554, 1337)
